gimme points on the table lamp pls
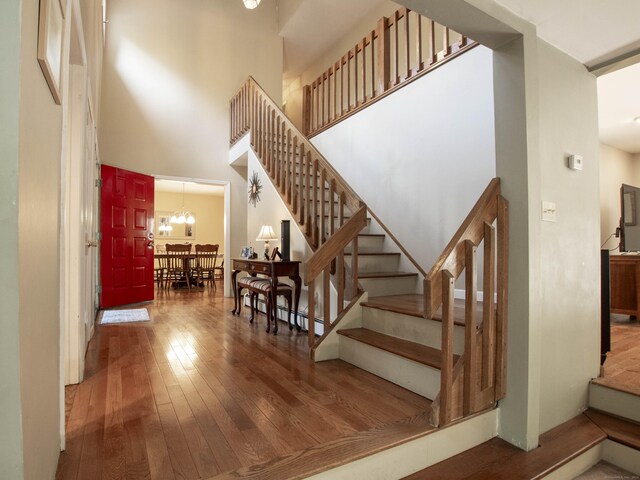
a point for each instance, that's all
(266, 235)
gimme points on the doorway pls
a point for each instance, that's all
(209, 203)
(619, 124)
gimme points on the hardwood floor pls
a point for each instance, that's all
(622, 367)
(197, 391)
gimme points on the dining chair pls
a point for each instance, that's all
(206, 256)
(218, 272)
(178, 264)
(160, 271)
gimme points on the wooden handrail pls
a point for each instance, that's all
(328, 211)
(366, 73)
(485, 210)
(478, 380)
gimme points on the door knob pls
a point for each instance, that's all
(150, 245)
(91, 244)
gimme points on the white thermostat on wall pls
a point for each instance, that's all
(575, 162)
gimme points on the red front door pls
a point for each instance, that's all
(126, 249)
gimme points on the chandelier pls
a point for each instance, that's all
(182, 216)
(251, 4)
(164, 226)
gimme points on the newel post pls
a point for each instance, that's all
(306, 110)
(383, 57)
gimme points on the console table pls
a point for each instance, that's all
(625, 284)
(272, 269)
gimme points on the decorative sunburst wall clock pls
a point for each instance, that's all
(255, 187)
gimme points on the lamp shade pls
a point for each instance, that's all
(251, 4)
(266, 234)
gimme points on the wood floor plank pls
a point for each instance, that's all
(197, 392)
(183, 466)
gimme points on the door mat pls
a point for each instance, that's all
(125, 316)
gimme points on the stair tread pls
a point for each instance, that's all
(375, 253)
(378, 235)
(621, 430)
(386, 274)
(403, 348)
(499, 460)
(413, 304)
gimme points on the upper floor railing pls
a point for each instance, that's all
(401, 48)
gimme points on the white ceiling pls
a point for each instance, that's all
(192, 188)
(595, 32)
(591, 31)
(312, 26)
(618, 105)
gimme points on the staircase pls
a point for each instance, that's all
(378, 308)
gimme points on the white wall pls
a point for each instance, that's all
(616, 167)
(11, 448)
(170, 71)
(570, 257)
(421, 157)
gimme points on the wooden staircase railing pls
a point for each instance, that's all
(328, 211)
(478, 378)
(400, 49)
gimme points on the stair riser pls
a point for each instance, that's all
(408, 327)
(378, 287)
(413, 376)
(615, 402)
(369, 245)
(376, 263)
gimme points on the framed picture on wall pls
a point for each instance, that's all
(50, 34)
(173, 231)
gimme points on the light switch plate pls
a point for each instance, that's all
(548, 211)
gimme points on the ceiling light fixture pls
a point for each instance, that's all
(251, 4)
(182, 216)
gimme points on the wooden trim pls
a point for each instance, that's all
(502, 284)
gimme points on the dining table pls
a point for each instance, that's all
(187, 268)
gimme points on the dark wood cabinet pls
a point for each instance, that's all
(625, 284)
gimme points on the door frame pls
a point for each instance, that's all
(226, 220)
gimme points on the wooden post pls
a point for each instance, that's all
(306, 110)
(488, 317)
(383, 63)
(311, 302)
(470, 343)
(446, 352)
(326, 303)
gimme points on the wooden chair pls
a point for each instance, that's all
(206, 256)
(178, 269)
(160, 271)
(218, 272)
